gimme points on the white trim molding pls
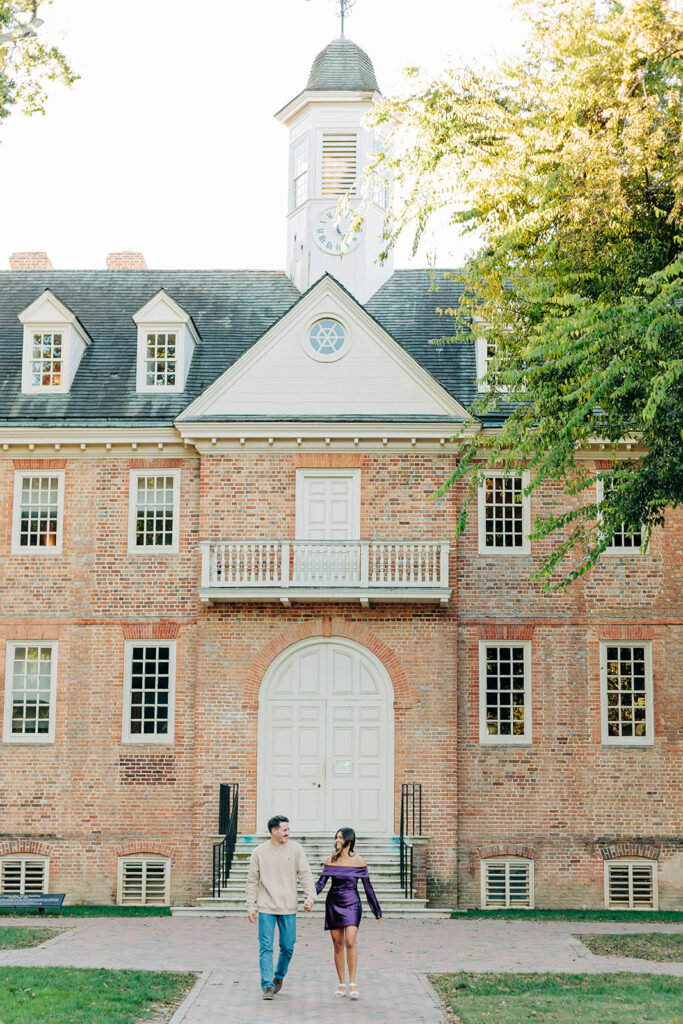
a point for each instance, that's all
(162, 511)
(627, 547)
(14, 869)
(32, 684)
(42, 514)
(625, 708)
(127, 735)
(506, 670)
(148, 884)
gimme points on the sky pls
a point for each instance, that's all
(168, 145)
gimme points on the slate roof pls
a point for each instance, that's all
(231, 310)
(344, 66)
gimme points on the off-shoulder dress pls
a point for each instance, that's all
(342, 906)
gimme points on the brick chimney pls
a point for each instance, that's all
(30, 261)
(126, 261)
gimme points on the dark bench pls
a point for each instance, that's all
(40, 902)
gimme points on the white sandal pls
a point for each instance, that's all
(353, 990)
(340, 991)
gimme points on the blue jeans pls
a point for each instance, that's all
(286, 924)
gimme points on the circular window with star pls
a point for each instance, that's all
(327, 340)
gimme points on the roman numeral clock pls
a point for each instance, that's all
(332, 234)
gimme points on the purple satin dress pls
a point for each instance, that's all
(342, 906)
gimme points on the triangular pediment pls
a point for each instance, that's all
(47, 309)
(162, 309)
(286, 374)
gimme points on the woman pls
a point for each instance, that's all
(342, 906)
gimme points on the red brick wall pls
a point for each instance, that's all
(88, 797)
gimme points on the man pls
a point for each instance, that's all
(275, 868)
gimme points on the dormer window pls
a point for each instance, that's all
(166, 342)
(46, 359)
(54, 343)
(161, 359)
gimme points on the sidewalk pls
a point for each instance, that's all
(394, 957)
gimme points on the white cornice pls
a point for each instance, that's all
(62, 315)
(177, 314)
(296, 105)
(55, 442)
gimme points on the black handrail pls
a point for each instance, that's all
(223, 852)
(411, 825)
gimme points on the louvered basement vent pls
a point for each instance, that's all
(144, 883)
(22, 876)
(631, 887)
(507, 883)
(339, 165)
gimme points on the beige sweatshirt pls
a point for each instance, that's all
(274, 871)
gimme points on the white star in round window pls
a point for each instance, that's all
(327, 339)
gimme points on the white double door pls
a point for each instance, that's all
(326, 740)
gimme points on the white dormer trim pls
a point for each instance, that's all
(47, 315)
(325, 299)
(162, 315)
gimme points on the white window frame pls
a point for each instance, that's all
(146, 738)
(7, 735)
(142, 387)
(636, 549)
(627, 741)
(300, 511)
(632, 862)
(301, 145)
(525, 547)
(28, 387)
(485, 738)
(153, 549)
(507, 861)
(23, 858)
(144, 859)
(482, 360)
(19, 476)
(326, 357)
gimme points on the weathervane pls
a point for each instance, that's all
(344, 10)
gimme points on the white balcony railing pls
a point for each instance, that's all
(261, 569)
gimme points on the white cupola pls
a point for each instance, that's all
(329, 147)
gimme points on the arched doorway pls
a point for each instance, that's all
(326, 739)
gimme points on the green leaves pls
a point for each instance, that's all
(27, 63)
(568, 164)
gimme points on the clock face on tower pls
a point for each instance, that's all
(330, 235)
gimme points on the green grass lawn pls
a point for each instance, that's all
(106, 910)
(662, 916)
(23, 938)
(69, 995)
(562, 998)
(647, 946)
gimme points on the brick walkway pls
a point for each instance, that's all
(394, 956)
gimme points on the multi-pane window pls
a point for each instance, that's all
(154, 510)
(23, 876)
(46, 359)
(37, 512)
(507, 882)
(300, 174)
(161, 358)
(504, 693)
(30, 692)
(338, 164)
(622, 540)
(626, 693)
(144, 881)
(631, 885)
(149, 692)
(504, 514)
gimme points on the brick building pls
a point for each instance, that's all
(222, 562)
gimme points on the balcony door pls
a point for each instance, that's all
(325, 751)
(327, 509)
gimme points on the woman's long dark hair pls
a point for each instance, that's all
(348, 839)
